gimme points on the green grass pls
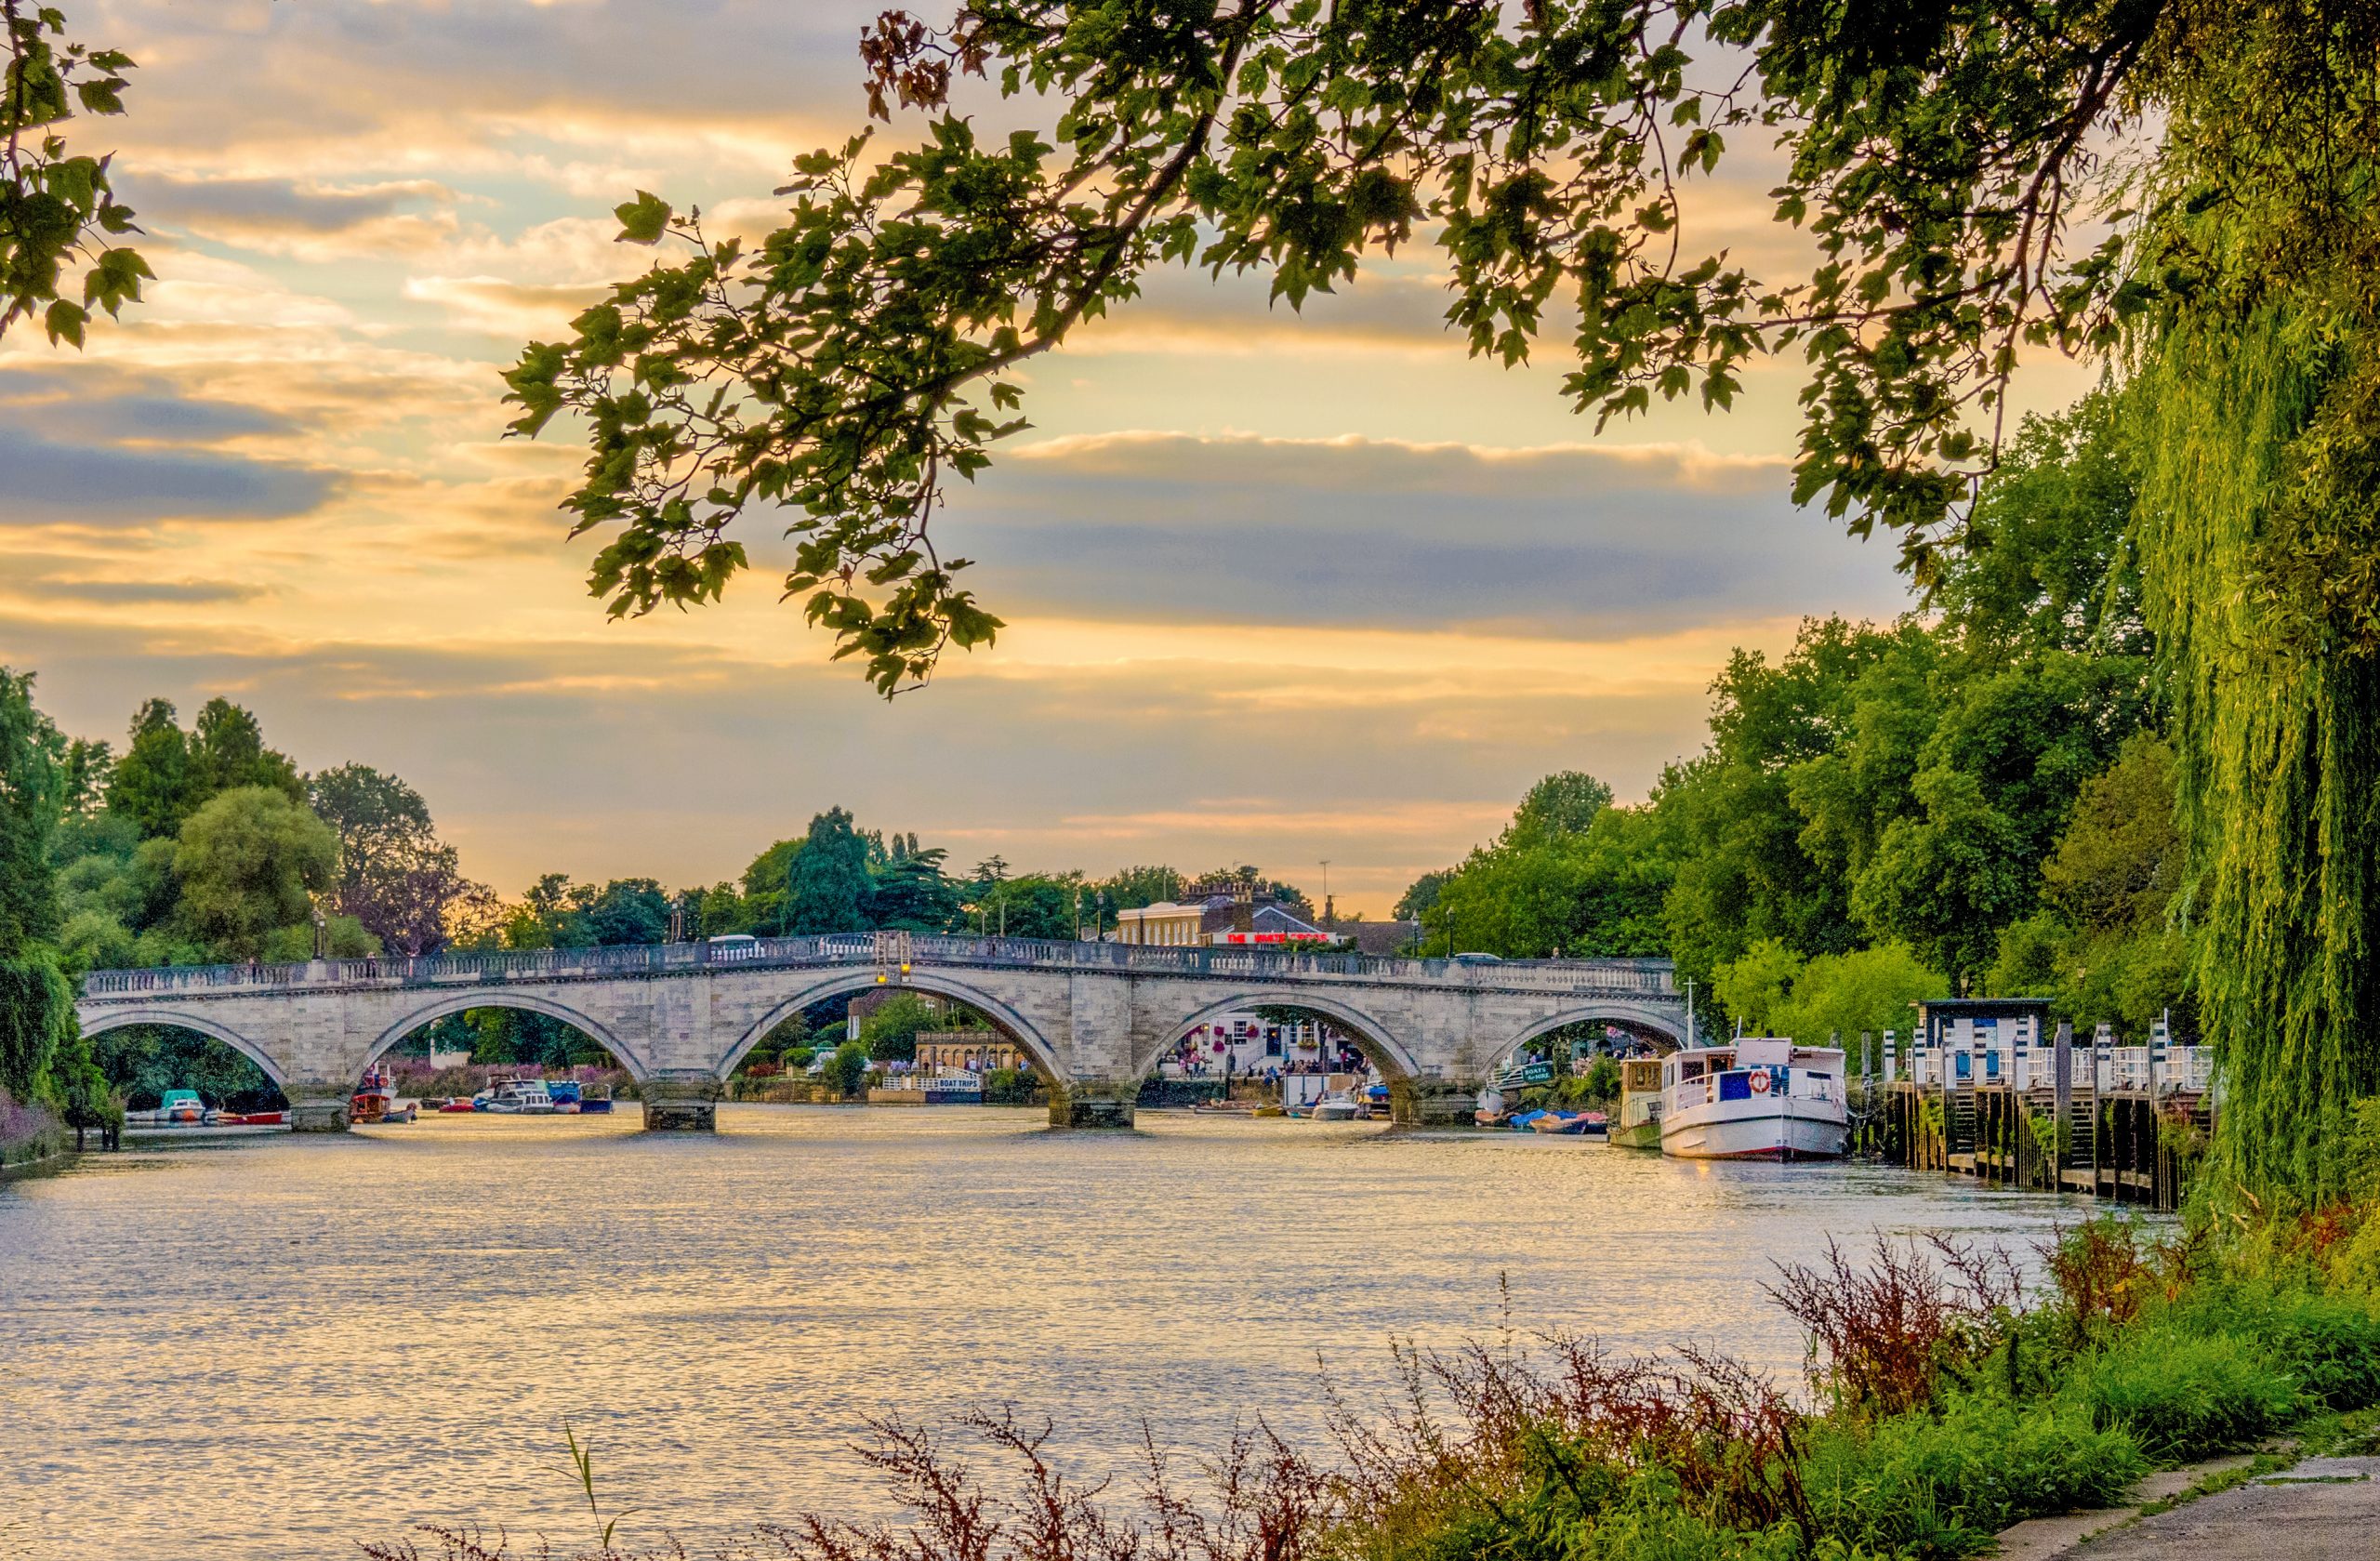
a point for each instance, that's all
(1929, 1487)
(2183, 1397)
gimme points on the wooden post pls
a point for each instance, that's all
(2062, 1081)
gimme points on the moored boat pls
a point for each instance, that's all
(1766, 1098)
(376, 1099)
(1560, 1122)
(1639, 1126)
(514, 1097)
(1341, 1108)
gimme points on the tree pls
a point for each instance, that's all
(891, 1033)
(1421, 894)
(395, 877)
(1868, 989)
(911, 893)
(764, 887)
(628, 910)
(826, 887)
(58, 209)
(1136, 887)
(1030, 906)
(166, 774)
(1939, 166)
(227, 751)
(250, 863)
(32, 795)
(846, 1069)
(1562, 803)
(156, 784)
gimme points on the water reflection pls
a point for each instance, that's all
(272, 1348)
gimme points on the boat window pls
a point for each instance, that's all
(1689, 1070)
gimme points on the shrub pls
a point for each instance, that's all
(2183, 1397)
(846, 1071)
(2330, 1344)
(1945, 1486)
(1882, 1338)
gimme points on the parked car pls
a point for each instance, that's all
(1478, 958)
(734, 946)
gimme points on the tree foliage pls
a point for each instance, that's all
(826, 886)
(32, 793)
(870, 349)
(396, 877)
(58, 206)
(250, 863)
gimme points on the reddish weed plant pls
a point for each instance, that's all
(1882, 1339)
(1472, 1422)
(2104, 1270)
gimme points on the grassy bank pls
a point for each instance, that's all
(1945, 1399)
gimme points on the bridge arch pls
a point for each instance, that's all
(1014, 1024)
(1373, 1037)
(117, 1019)
(498, 997)
(1610, 1011)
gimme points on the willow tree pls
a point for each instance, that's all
(2175, 184)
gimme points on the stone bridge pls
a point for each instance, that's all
(1095, 1017)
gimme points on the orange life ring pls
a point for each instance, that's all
(1760, 1083)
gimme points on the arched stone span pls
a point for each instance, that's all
(528, 1002)
(1373, 1037)
(1609, 1012)
(168, 1018)
(1012, 1023)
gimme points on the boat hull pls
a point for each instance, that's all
(1788, 1129)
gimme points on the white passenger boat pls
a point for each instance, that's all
(1754, 1098)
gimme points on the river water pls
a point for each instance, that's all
(276, 1346)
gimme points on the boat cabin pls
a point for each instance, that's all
(1750, 1067)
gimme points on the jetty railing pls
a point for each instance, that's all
(1599, 977)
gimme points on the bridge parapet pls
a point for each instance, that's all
(1651, 977)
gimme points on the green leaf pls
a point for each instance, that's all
(644, 219)
(64, 322)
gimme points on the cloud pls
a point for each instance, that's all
(42, 480)
(513, 311)
(1553, 540)
(95, 402)
(303, 217)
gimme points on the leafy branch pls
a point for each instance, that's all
(58, 209)
(866, 350)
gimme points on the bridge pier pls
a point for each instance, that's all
(1430, 1102)
(680, 1105)
(321, 1109)
(1094, 1103)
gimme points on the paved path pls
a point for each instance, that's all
(2323, 1509)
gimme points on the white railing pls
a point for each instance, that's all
(1585, 977)
(2180, 1069)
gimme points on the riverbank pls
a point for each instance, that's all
(32, 1138)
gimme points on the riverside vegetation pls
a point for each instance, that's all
(1945, 1399)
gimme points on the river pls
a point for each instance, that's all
(273, 1347)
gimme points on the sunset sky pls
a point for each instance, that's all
(1280, 588)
